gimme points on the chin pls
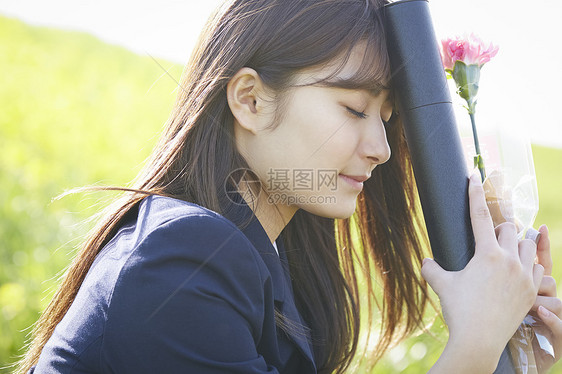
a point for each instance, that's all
(335, 211)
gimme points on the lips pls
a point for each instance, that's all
(355, 181)
(358, 178)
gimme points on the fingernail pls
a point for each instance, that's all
(425, 260)
(543, 312)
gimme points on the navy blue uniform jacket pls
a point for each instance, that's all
(181, 289)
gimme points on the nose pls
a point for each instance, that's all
(374, 145)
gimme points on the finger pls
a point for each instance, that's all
(548, 286)
(538, 273)
(551, 320)
(482, 225)
(527, 254)
(543, 250)
(434, 275)
(507, 236)
(553, 304)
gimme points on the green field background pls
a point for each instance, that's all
(75, 111)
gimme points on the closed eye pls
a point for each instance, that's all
(357, 114)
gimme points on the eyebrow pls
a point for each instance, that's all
(372, 89)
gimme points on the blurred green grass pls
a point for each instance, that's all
(76, 111)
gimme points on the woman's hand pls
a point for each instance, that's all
(552, 313)
(484, 303)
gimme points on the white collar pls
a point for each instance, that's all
(275, 246)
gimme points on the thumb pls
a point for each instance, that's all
(433, 274)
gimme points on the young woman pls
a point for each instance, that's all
(271, 195)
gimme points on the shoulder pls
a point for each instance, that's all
(158, 211)
(180, 246)
(194, 290)
(171, 229)
(189, 228)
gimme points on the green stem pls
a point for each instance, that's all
(477, 146)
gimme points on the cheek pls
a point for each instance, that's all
(324, 134)
(315, 132)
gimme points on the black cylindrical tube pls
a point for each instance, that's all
(426, 109)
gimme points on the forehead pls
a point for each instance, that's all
(357, 69)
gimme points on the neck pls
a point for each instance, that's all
(272, 217)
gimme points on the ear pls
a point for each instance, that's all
(242, 92)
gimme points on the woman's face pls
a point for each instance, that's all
(328, 141)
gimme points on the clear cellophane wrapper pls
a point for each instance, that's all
(530, 340)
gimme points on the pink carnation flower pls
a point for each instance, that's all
(463, 58)
(470, 50)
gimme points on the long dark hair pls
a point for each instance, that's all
(329, 259)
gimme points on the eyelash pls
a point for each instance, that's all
(361, 115)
